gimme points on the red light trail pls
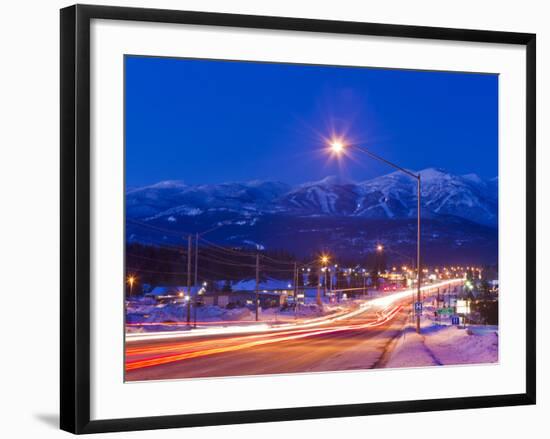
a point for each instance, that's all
(201, 349)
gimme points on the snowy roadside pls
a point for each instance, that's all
(444, 345)
(147, 316)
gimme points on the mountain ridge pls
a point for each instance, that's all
(388, 196)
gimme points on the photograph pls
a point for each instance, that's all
(288, 218)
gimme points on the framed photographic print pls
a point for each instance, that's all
(303, 218)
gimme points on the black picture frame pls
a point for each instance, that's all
(75, 217)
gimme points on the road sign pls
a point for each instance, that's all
(418, 307)
(455, 320)
(445, 311)
(463, 306)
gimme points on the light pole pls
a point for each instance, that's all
(380, 262)
(195, 283)
(338, 148)
(324, 261)
(189, 280)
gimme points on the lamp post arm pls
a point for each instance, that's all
(417, 177)
(387, 162)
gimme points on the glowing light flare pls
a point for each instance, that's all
(337, 146)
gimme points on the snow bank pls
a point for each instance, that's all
(444, 345)
(177, 312)
(147, 315)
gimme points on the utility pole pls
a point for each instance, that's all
(295, 281)
(325, 282)
(257, 284)
(438, 307)
(196, 259)
(295, 289)
(418, 264)
(319, 286)
(189, 244)
(195, 284)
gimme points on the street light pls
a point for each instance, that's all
(324, 260)
(195, 283)
(338, 147)
(131, 280)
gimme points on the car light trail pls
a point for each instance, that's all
(248, 342)
(198, 344)
(379, 302)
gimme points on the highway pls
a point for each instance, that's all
(356, 339)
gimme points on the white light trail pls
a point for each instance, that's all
(379, 302)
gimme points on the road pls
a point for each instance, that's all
(356, 340)
(286, 351)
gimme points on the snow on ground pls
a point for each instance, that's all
(441, 343)
(146, 315)
(177, 312)
(444, 345)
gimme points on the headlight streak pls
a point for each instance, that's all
(252, 341)
(380, 302)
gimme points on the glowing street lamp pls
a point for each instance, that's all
(379, 248)
(131, 280)
(338, 146)
(324, 260)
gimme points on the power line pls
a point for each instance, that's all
(226, 262)
(184, 257)
(160, 229)
(227, 249)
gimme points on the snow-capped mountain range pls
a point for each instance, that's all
(459, 215)
(392, 196)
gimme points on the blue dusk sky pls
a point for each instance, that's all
(203, 121)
